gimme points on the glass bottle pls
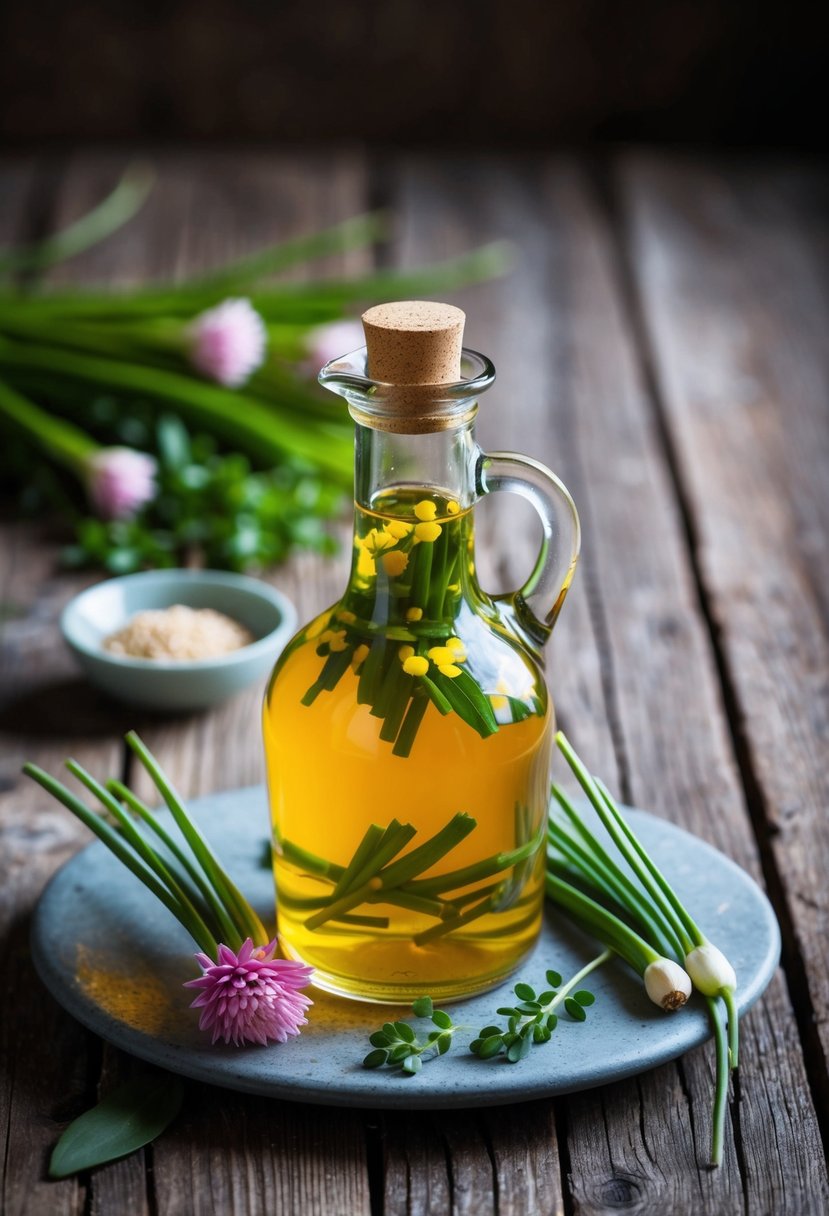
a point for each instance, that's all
(408, 728)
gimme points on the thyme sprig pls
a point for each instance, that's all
(398, 1044)
(532, 1020)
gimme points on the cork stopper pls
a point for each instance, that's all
(414, 343)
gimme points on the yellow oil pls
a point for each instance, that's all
(331, 776)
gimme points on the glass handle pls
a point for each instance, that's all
(538, 602)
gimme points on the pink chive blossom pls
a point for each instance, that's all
(120, 481)
(251, 997)
(327, 342)
(227, 343)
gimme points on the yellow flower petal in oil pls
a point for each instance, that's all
(405, 652)
(359, 656)
(398, 528)
(337, 642)
(427, 531)
(425, 509)
(453, 507)
(395, 563)
(458, 649)
(414, 614)
(441, 654)
(449, 670)
(498, 701)
(376, 541)
(365, 565)
(416, 665)
(346, 616)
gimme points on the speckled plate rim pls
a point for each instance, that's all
(305, 1069)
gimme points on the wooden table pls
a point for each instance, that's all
(662, 344)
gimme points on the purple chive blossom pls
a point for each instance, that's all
(251, 997)
(327, 342)
(227, 343)
(120, 481)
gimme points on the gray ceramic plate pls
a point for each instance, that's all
(116, 960)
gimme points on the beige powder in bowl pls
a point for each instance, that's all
(178, 633)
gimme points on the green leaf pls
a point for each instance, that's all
(375, 1059)
(126, 1119)
(441, 1019)
(575, 1010)
(546, 998)
(468, 702)
(405, 1032)
(488, 1031)
(584, 997)
(551, 1021)
(422, 1007)
(490, 1047)
(524, 992)
(379, 1039)
(553, 979)
(520, 1049)
(506, 1011)
(444, 1043)
(400, 1052)
(475, 1046)
(412, 1065)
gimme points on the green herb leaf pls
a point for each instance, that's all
(441, 1019)
(379, 1039)
(375, 1059)
(553, 979)
(584, 997)
(412, 1065)
(490, 1047)
(405, 1032)
(422, 1007)
(126, 1119)
(524, 992)
(575, 1010)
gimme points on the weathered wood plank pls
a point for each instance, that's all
(44, 714)
(731, 266)
(674, 731)
(229, 1152)
(645, 643)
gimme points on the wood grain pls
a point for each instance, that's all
(231, 1153)
(691, 646)
(561, 322)
(730, 266)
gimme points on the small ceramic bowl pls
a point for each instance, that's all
(98, 612)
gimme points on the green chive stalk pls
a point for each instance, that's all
(625, 901)
(184, 874)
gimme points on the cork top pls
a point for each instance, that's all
(414, 342)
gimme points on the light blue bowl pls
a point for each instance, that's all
(98, 612)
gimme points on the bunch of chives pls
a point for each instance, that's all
(625, 901)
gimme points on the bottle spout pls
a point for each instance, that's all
(408, 409)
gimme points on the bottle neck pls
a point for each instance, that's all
(444, 461)
(413, 555)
